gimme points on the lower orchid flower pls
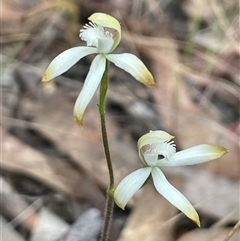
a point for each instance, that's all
(155, 150)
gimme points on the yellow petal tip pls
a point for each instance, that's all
(191, 213)
(78, 121)
(45, 77)
(221, 151)
(151, 83)
(120, 206)
(197, 222)
(147, 78)
(224, 150)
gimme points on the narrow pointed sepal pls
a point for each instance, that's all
(89, 88)
(175, 197)
(196, 155)
(129, 185)
(134, 66)
(65, 61)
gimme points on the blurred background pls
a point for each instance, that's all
(53, 173)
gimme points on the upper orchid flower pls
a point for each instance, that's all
(102, 36)
(156, 149)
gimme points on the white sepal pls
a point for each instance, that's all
(65, 61)
(175, 197)
(91, 84)
(129, 185)
(195, 155)
(134, 66)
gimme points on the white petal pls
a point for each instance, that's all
(173, 195)
(134, 66)
(194, 155)
(91, 83)
(65, 61)
(129, 185)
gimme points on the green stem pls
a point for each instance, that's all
(110, 201)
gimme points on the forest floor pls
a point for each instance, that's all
(53, 173)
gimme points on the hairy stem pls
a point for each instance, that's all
(109, 202)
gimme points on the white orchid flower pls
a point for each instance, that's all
(155, 150)
(102, 36)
